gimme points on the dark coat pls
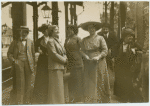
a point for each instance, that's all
(125, 67)
(111, 41)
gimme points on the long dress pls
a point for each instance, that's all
(41, 80)
(96, 78)
(75, 67)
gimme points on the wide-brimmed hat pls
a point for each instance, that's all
(85, 25)
(43, 27)
(24, 28)
(126, 32)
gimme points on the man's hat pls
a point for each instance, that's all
(85, 25)
(106, 25)
(24, 28)
(43, 27)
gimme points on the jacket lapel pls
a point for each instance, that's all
(28, 43)
(62, 49)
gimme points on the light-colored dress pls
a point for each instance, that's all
(96, 78)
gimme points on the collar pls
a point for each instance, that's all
(46, 37)
(125, 43)
(106, 34)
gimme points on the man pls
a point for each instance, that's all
(21, 54)
(111, 41)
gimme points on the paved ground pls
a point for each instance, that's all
(6, 92)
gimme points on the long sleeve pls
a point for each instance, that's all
(33, 50)
(11, 51)
(79, 42)
(103, 47)
(53, 53)
(82, 51)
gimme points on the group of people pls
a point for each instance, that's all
(88, 61)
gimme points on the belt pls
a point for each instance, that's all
(96, 50)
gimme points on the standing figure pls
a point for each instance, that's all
(21, 54)
(41, 79)
(56, 61)
(125, 67)
(96, 79)
(111, 41)
(75, 65)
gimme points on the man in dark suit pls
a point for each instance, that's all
(111, 41)
(21, 54)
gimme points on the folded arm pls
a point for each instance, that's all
(53, 53)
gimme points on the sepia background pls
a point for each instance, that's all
(119, 14)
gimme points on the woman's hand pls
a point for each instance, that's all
(96, 58)
(86, 57)
(66, 62)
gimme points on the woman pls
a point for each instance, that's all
(56, 61)
(41, 80)
(94, 49)
(125, 67)
(75, 65)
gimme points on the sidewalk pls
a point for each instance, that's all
(6, 92)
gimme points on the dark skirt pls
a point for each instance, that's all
(123, 86)
(75, 85)
(41, 81)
